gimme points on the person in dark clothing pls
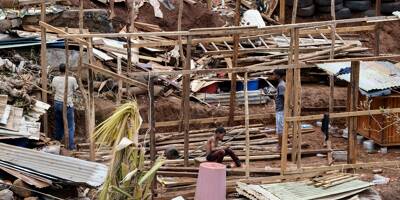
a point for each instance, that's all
(217, 154)
(325, 127)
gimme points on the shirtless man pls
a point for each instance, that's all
(217, 154)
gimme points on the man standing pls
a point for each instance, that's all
(217, 154)
(58, 86)
(279, 104)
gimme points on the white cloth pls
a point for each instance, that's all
(58, 85)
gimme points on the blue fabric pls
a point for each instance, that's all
(59, 131)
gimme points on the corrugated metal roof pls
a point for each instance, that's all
(61, 167)
(374, 75)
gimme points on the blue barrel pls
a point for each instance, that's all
(251, 85)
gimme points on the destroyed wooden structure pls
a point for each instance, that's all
(295, 57)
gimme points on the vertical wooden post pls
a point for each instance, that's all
(297, 98)
(129, 29)
(91, 108)
(246, 124)
(377, 27)
(287, 110)
(65, 98)
(119, 70)
(43, 62)
(186, 100)
(152, 123)
(236, 40)
(282, 5)
(354, 82)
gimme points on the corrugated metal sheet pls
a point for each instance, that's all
(301, 190)
(374, 75)
(61, 167)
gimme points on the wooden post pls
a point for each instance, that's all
(91, 108)
(152, 123)
(236, 40)
(287, 111)
(129, 29)
(377, 27)
(65, 101)
(354, 82)
(186, 101)
(119, 70)
(297, 99)
(282, 11)
(246, 122)
(43, 62)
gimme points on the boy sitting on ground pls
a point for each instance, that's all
(217, 154)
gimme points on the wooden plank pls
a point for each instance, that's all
(65, 103)
(246, 122)
(297, 100)
(91, 107)
(344, 114)
(234, 29)
(45, 25)
(186, 100)
(119, 71)
(43, 63)
(116, 76)
(355, 74)
(366, 58)
(351, 166)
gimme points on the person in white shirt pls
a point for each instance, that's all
(58, 86)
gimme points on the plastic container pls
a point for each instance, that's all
(211, 182)
(368, 145)
(339, 155)
(251, 85)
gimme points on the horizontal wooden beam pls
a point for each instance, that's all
(303, 32)
(210, 120)
(235, 29)
(350, 166)
(368, 58)
(59, 31)
(343, 114)
(116, 76)
(217, 70)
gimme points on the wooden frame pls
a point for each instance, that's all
(293, 69)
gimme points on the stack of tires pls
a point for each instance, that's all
(389, 6)
(305, 8)
(358, 5)
(341, 12)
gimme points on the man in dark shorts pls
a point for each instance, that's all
(217, 154)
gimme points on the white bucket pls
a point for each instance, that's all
(252, 18)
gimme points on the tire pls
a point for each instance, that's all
(300, 4)
(306, 11)
(369, 13)
(388, 8)
(343, 13)
(327, 2)
(357, 6)
(327, 9)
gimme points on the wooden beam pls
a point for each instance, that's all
(120, 83)
(235, 29)
(186, 100)
(246, 122)
(45, 25)
(211, 120)
(91, 107)
(282, 4)
(378, 5)
(236, 40)
(351, 166)
(43, 63)
(116, 76)
(344, 114)
(367, 58)
(65, 98)
(354, 82)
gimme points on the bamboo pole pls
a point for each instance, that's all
(246, 122)
(65, 101)
(236, 40)
(43, 62)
